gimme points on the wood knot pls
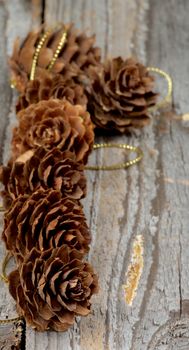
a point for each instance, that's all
(173, 335)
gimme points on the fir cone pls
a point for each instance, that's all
(52, 287)
(45, 169)
(5, 173)
(122, 92)
(50, 86)
(54, 123)
(44, 220)
(74, 60)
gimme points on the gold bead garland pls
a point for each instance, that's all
(36, 54)
(118, 166)
(168, 98)
(38, 49)
(57, 52)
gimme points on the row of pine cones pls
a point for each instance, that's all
(45, 227)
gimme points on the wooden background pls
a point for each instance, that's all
(151, 199)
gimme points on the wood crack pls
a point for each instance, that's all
(157, 208)
(106, 48)
(121, 228)
(43, 7)
(135, 228)
(180, 286)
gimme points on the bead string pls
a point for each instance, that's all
(36, 54)
(168, 98)
(123, 165)
(11, 320)
(5, 262)
(58, 49)
(55, 56)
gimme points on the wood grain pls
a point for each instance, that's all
(16, 19)
(150, 199)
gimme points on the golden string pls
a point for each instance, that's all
(5, 262)
(1, 209)
(58, 49)
(168, 98)
(11, 320)
(123, 165)
(38, 49)
(36, 54)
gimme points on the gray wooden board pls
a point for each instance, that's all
(150, 199)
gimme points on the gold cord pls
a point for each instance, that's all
(168, 98)
(11, 320)
(38, 49)
(1, 209)
(117, 166)
(5, 262)
(58, 49)
(36, 54)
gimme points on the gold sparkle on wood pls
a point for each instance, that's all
(185, 117)
(134, 270)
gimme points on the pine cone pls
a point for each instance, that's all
(5, 173)
(74, 60)
(53, 287)
(52, 87)
(44, 220)
(54, 123)
(121, 95)
(45, 169)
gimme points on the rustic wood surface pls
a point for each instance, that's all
(151, 199)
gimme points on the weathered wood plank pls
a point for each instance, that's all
(169, 289)
(144, 200)
(16, 18)
(150, 199)
(97, 17)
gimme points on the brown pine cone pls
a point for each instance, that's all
(44, 220)
(122, 92)
(76, 56)
(52, 287)
(50, 86)
(54, 123)
(45, 169)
